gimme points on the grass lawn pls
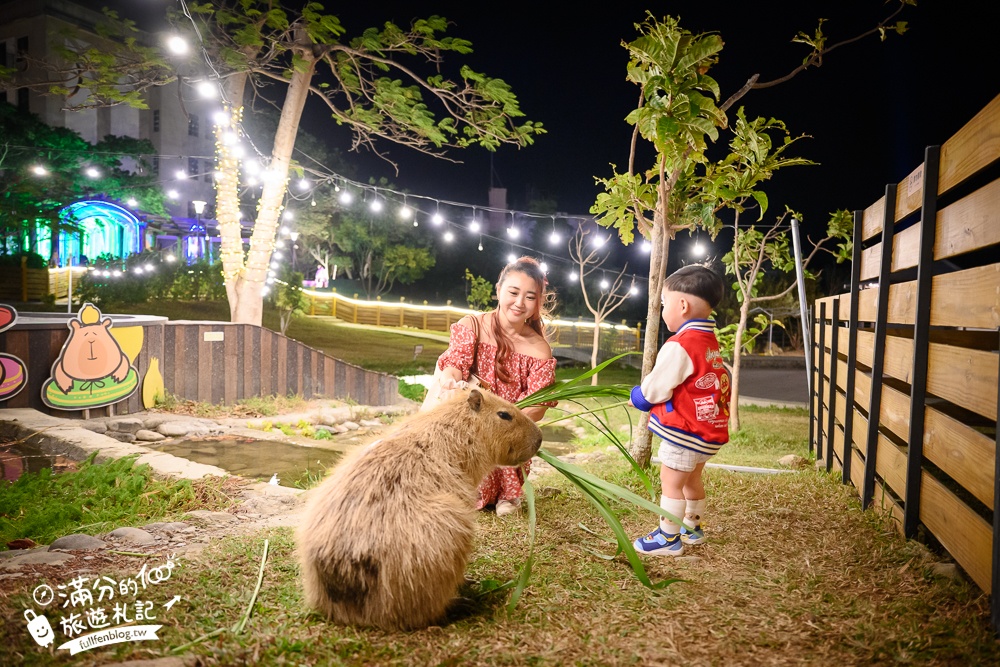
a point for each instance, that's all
(794, 573)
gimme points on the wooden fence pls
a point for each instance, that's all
(615, 338)
(24, 284)
(214, 362)
(905, 370)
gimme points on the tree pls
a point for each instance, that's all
(382, 251)
(386, 84)
(753, 251)
(612, 294)
(679, 115)
(480, 291)
(288, 297)
(319, 227)
(31, 198)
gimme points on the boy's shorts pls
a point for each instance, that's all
(679, 458)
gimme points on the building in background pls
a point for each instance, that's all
(178, 122)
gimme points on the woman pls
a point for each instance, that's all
(512, 359)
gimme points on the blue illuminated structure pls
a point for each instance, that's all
(104, 228)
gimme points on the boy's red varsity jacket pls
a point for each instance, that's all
(687, 392)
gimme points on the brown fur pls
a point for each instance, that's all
(91, 353)
(386, 537)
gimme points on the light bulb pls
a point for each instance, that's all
(177, 45)
(511, 258)
(92, 172)
(180, 174)
(171, 258)
(474, 226)
(572, 275)
(544, 267)
(480, 245)
(172, 194)
(345, 197)
(375, 206)
(207, 89)
(437, 218)
(645, 246)
(288, 215)
(405, 212)
(605, 284)
(149, 267)
(599, 241)
(449, 237)
(513, 232)
(39, 170)
(221, 118)
(303, 184)
(633, 290)
(554, 238)
(132, 202)
(698, 249)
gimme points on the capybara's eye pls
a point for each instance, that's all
(505, 415)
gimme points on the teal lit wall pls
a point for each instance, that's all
(105, 228)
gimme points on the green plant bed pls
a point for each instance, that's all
(98, 497)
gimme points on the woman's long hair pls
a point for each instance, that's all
(546, 300)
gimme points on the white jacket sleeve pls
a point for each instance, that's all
(673, 366)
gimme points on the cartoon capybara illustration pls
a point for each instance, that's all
(386, 538)
(91, 353)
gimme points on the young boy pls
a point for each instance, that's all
(687, 396)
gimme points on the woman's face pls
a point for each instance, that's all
(518, 297)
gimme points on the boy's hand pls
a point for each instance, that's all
(630, 403)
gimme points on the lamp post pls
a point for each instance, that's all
(199, 208)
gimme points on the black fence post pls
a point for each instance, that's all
(832, 417)
(812, 382)
(921, 342)
(878, 354)
(852, 346)
(820, 384)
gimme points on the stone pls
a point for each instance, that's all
(350, 426)
(125, 424)
(947, 570)
(176, 429)
(212, 518)
(340, 428)
(36, 558)
(20, 552)
(94, 425)
(371, 423)
(793, 461)
(145, 435)
(121, 436)
(132, 536)
(78, 542)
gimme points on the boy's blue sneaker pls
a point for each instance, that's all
(692, 535)
(658, 543)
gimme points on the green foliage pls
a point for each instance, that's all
(13, 260)
(287, 296)
(727, 334)
(29, 200)
(93, 499)
(480, 291)
(143, 276)
(414, 392)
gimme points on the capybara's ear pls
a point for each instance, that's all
(74, 324)
(475, 399)
(107, 323)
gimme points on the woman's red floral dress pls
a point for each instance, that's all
(528, 375)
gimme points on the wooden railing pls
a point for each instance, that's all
(905, 370)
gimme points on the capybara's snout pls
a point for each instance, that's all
(529, 444)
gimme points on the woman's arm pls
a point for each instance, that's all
(535, 412)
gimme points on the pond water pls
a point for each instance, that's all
(257, 459)
(20, 458)
(292, 462)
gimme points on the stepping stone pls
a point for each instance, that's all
(125, 425)
(145, 435)
(212, 518)
(94, 425)
(36, 558)
(120, 436)
(78, 542)
(351, 426)
(132, 536)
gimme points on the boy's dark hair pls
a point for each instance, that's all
(699, 281)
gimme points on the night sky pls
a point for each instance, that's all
(870, 109)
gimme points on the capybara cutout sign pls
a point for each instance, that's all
(13, 373)
(92, 370)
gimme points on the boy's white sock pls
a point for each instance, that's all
(675, 506)
(693, 513)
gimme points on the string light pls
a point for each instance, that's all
(449, 237)
(177, 44)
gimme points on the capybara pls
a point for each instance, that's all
(385, 539)
(90, 353)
